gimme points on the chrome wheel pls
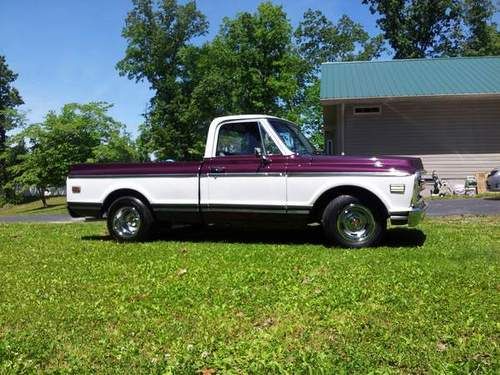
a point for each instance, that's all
(355, 223)
(126, 222)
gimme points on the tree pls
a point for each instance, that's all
(432, 28)
(482, 37)
(251, 66)
(254, 61)
(319, 40)
(80, 133)
(9, 99)
(11, 154)
(156, 33)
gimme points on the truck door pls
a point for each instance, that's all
(244, 179)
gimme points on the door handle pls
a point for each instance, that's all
(217, 169)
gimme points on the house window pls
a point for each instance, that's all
(329, 147)
(367, 110)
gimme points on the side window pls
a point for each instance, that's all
(269, 145)
(238, 139)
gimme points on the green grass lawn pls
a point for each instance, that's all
(56, 205)
(246, 301)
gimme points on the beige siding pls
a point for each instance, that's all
(454, 137)
(456, 167)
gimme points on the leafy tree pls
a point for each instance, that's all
(157, 32)
(254, 61)
(482, 37)
(251, 66)
(80, 133)
(11, 154)
(431, 28)
(320, 40)
(9, 99)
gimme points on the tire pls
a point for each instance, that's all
(129, 220)
(353, 223)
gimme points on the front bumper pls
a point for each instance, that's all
(412, 217)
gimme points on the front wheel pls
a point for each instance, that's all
(129, 220)
(352, 223)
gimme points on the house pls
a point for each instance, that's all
(446, 111)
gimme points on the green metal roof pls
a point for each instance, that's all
(409, 78)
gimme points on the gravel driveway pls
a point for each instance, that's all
(445, 207)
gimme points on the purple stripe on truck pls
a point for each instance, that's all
(237, 164)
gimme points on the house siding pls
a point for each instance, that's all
(454, 137)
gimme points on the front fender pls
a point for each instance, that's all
(306, 190)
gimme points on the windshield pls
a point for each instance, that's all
(292, 137)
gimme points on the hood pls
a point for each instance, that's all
(393, 164)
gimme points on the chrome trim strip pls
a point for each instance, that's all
(242, 207)
(373, 174)
(142, 175)
(244, 210)
(256, 209)
(299, 211)
(175, 209)
(244, 174)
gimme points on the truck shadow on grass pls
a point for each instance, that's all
(395, 237)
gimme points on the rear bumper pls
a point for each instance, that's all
(78, 209)
(412, 217)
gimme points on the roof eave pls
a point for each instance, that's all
(331, 101)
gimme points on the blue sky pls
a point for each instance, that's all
(65, 50)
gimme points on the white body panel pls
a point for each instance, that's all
(244, 190)
(292, 191)
(158, 190)
(304, 190)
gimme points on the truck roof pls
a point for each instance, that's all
(210, 144)
(241, 117)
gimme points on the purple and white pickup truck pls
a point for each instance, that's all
(256, 169)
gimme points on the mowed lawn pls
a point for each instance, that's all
(246, 301)
(55, 205)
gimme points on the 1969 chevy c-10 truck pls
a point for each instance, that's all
(256, 169)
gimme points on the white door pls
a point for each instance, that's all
(238, 181)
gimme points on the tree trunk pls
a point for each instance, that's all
(41, 191)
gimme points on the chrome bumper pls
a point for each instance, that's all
(412, 217)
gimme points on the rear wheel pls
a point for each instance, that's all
(129, 220)
(353, 223)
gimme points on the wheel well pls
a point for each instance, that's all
(122, 193)
(356, 191)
